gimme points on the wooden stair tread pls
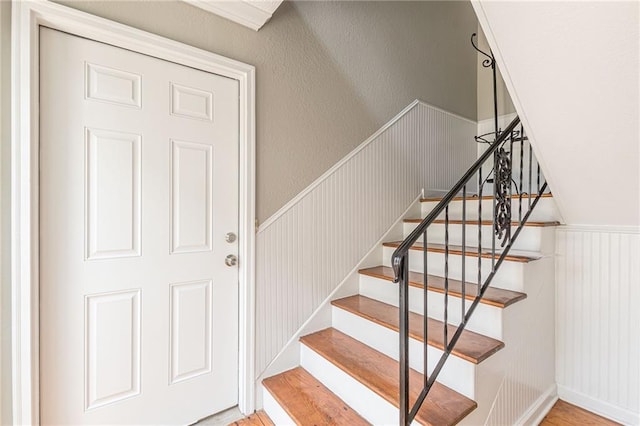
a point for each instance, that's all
(309, 402)
(484, 222)
(259, 418)
(484, 197)
(457, 250)
(378, 372)
(493, 296)
(471, 346)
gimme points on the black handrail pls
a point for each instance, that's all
(501, 224)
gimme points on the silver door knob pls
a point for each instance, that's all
(230, 237)
(231, 260)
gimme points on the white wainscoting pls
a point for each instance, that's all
(308, 247)
(598, 320)
(524, 369)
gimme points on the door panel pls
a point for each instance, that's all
(191, 204)
(112, 193)
(112, 347)
(190, 330)
(138, 187)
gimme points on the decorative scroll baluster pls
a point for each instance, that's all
(502, 216)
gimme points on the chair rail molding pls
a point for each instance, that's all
(27, 17)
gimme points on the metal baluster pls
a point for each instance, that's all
(538, 191)
(530, 163)
(425, 318)
(521, 166)
(495, 211)
(480, 230)
(404, 340)
(446, 274)
(464, 247)
(400, 261)
(511, 180)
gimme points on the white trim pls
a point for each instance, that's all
(612, 229)
(250, 15)
(601, 408)
(540, 408)
(26, 18)
(295, 200)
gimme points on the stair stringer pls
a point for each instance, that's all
(517, 384)
(289, 356)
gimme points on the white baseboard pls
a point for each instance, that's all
(611, 229)
(289, 356)
(599, 407)
(540, 408)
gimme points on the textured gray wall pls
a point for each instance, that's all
(329, 74)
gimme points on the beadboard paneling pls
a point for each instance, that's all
(598, 320)
(306, 249)
(526, 372)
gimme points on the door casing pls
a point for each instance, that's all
(27, 17)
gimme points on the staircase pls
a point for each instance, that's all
(353, 373)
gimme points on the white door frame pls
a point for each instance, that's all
(27, 17)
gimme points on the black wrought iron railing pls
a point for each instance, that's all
(509, 188)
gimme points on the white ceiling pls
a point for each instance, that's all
(572, 70)
(250, 13)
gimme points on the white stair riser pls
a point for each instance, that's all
(276, 413)
(363, 400)
(509, 275)
(486, 319)
(457, 373)
(530, 238)
(545, 210)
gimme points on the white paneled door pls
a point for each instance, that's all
(138, 191)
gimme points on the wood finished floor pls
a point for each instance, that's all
(565, 414)
(259, 418)
(562, 414)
